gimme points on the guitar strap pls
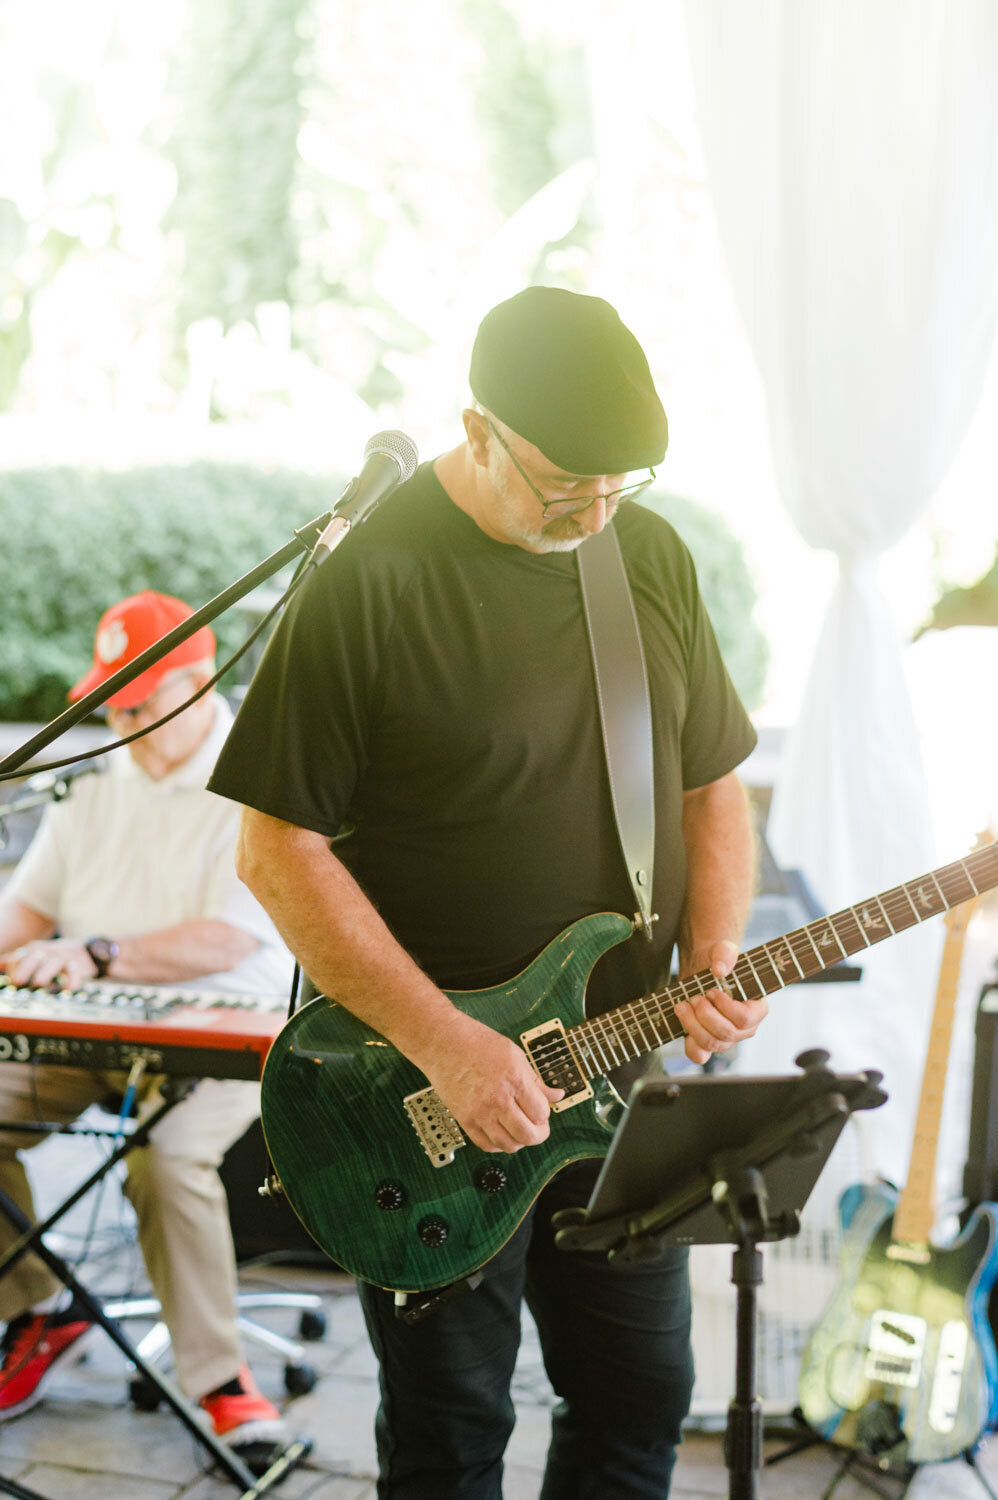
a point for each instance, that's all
(624, 708)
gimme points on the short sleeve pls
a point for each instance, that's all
(297, 749)
(37, 879)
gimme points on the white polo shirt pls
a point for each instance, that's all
(124, 854)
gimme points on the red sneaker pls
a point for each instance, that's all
(34, 1344)
(247, 1417)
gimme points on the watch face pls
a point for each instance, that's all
(103, 952)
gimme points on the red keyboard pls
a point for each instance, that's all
(196, 1034)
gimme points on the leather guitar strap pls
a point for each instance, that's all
(624, 708)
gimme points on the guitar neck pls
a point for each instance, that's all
(915, 1212)
(630, 1031)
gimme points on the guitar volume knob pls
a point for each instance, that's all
(433, 1232)
(389, 1196)
(492, 1178)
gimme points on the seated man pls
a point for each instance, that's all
(131, 878)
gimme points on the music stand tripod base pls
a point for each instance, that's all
(648, 1195)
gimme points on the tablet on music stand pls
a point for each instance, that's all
(675, 1129)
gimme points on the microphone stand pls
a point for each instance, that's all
(54, 792)
(304, 540)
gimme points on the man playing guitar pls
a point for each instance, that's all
(431, 688)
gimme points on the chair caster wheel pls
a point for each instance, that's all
(144, 1394)
(312, 1325)
(299, 1379)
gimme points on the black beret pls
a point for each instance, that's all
(560, 369)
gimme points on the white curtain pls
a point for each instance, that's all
(851, 149)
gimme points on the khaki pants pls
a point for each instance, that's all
(179, 1201)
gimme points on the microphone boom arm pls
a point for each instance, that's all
(304, 538)
(360, 496)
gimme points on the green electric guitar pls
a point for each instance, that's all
(381, 1174)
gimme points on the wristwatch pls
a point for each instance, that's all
(103, 951)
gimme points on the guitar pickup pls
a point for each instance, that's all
(916, 1255)
(555, 1063)
(896, 1348)
(438, 1131)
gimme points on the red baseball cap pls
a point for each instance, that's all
(129, 628)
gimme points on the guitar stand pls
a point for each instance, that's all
(864, 1466)
(744, 1195)
(251, 1486)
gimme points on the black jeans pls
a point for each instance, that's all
(616, 1348)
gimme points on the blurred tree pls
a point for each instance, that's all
(976, 604)
(237, 91)
(533, 109)
(728, 588)
(15, 301)
(326, 157)
(32, 251)
(392, 203)
(514, 103)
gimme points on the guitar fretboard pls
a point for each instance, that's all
(915, 1212)
(632, 1030)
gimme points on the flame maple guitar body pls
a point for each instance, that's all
(905, 1344)
(347, 1151)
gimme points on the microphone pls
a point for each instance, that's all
(390, 458)
(57, 782)
(47, 786)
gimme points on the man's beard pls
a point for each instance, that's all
(561, 534)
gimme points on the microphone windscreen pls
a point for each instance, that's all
(398, 446)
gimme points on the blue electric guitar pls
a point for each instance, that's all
(903, 1362)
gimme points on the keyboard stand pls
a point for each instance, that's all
(175, 1090)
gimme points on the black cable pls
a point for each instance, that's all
(56, 765)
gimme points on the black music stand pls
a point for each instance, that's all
(672, 1177)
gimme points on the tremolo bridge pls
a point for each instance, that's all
(438, 1131)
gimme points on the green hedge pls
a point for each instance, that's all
(728, 587)
(75, 541)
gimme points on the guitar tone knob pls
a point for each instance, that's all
(492, 1179)
(433, 1232)
(389, 1196)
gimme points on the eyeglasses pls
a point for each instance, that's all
(555, 508)
(129, 715)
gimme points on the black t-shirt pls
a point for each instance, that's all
(431, 689)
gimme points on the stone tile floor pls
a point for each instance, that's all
(85, 1442)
